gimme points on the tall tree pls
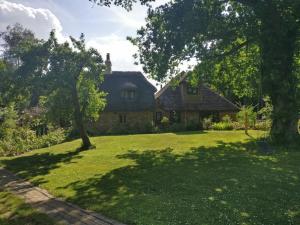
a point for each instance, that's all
(16, 41)
(72, 74)
(213, 30)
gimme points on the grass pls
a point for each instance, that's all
(13, 211)
(217, 177)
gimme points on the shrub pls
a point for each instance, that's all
(263, 125)
(226, 119)
(8, 121)
(222, 126)
(23, 139)
(53, 138)
(247, 116)
(20, 140)
(266, 111)
(237, 125)
(207, 123)
(165, 123)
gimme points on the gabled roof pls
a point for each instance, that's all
(117, 81)
(170, 98)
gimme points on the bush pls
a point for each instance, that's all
(266, 111)
(237, 125)
(53, 138)
(8, 121)
(20, 141)
(222, 126)
(263, 125)
(226, 119)
(165, 121)
(207, 123)
(247, 116)
(23, 139)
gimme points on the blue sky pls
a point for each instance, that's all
(105, 28)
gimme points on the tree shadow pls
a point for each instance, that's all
(13, 211)
(31, 166)
(231, 183)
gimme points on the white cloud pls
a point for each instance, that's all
(133, 19)
(120, 49)
(40, 21)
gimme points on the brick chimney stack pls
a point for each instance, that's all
(108, 64)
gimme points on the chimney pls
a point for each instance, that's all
(108, 64)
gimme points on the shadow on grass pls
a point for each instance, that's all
(14, 212)
(230, 183)
(39, 164)
(227, 184)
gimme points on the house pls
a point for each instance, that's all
(130, 101)
(133, 104)
(188, 104)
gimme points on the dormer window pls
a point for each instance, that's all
(128, 94)
(192, 90)
(128, 91)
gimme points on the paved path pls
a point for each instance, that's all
(61, 211)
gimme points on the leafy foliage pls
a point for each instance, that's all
(16, 139)
(222, 126)
(21, 87)
(72, 74)
(247, 117)
(248, 46)
(8, 121)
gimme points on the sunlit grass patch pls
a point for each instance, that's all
(186, 178)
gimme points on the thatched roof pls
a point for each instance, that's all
(170, 98)
(118, 81)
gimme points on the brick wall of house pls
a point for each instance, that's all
(130, 121)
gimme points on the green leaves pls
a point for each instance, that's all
(92, 100)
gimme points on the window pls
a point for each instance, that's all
(192, 90)
(122, 118)
(158, 116)
(175, 117)
(128, 94)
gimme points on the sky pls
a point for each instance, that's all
(105, 28)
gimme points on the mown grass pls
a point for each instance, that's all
(191, 178)
(13, 211)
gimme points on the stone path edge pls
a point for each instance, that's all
(61, 211)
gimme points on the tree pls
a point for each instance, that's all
(213, 31)
(15, 38)
(72, 74)
(16, 87)
(237, 77)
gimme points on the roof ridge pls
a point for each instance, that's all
(164, 88)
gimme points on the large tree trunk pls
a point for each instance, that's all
(86, 143)
(278, 46)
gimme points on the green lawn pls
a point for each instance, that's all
(171, 179)
(13, 211)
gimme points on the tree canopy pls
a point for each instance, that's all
(72, 73)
